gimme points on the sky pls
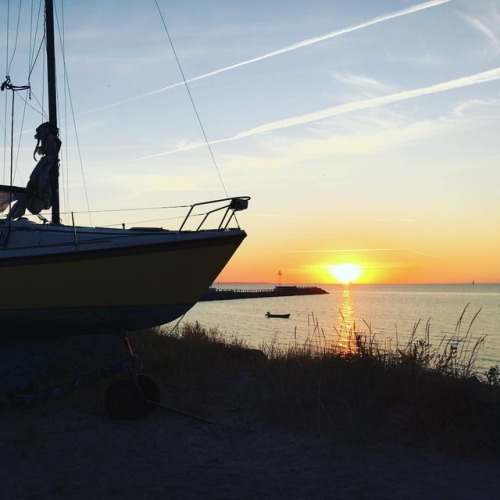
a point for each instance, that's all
(365, 132)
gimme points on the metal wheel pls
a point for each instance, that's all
(150, 391)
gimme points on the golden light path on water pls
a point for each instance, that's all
(346, 341)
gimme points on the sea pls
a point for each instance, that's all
(464, 317)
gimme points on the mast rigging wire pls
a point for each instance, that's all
(35, 55)
(9, 58)
(191, 99)
(7, 85)
(17, 35)
(68, 99)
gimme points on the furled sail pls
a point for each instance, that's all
(38, 193)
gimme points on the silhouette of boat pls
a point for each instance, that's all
(270, 315)
(68, 279)
(64, 282)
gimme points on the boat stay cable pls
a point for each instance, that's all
(7, 85)
(16, 116)
(17, 34)
(191, 98)
(68, 102)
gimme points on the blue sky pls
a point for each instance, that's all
(365, 131)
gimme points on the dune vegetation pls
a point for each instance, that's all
(352, 393)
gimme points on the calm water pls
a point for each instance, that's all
(390, 312)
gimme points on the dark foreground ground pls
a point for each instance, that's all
(70, 449)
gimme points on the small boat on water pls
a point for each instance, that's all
(270, 315)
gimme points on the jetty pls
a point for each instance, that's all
(278, 291)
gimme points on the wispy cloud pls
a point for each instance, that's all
(425, 254)
(363, 82)
(299, 45)
(483, 29)
(394, 220)
(478, 78)
(463, 107)
(350, 250)
(366, 250)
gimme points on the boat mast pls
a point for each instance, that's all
(51, 85)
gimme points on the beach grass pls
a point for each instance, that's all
(350, 392)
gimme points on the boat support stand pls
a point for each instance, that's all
(138, 395)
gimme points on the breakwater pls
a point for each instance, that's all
(278, 291)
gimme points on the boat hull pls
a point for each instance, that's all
(103, 290)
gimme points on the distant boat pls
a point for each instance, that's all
(269, 315)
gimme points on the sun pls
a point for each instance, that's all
(345, 273)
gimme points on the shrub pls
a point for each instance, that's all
(413, 394)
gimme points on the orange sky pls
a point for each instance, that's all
(302, 262)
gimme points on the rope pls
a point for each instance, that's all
(7, 85)
(11, 142)
(191, 99)
(4, 127)
(176, 325)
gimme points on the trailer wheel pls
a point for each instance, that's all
(150, 391)
(124, 400)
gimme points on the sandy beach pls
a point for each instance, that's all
(70, 449)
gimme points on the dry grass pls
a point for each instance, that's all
(354, 393)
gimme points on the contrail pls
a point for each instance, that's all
(351, 250)
(425, 254)
(485, 76)
(290, 48)
(367, 250)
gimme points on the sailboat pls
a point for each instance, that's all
(63, 279)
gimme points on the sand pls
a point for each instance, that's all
(70, 449)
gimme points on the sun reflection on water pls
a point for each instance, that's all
(346, 330)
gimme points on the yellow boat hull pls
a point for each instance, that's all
(110, 290)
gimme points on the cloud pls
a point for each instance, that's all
(363, 82)
(483, 29)
(299, 45)
(351, 250)
(394, 220)
(425, 254)
(368, 250)
(463, 107)
(478, 78)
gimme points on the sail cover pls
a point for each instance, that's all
(37, 195)
(8, 195)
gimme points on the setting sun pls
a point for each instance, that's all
(345, 273)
